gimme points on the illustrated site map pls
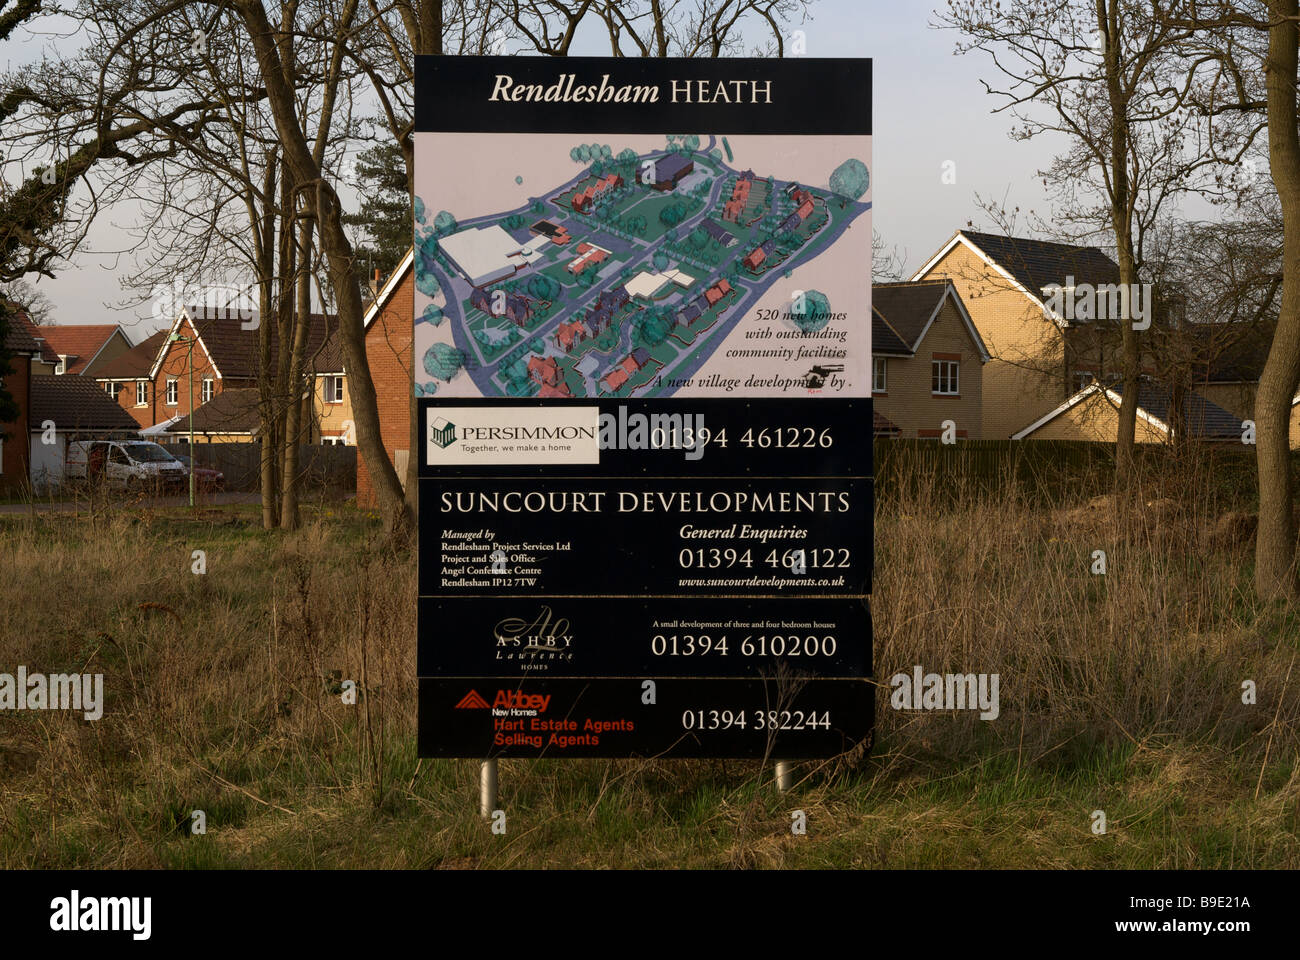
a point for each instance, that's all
(641, 265)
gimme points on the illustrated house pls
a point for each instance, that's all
(556, 234)
(624, 370)
(614, 379)
(688, 315)
(514, 307)
(1005, 284)
(584, 200)
(549, 391)
(567, 335)
(589, 255)
(518, 309)
(927, 360)
(758, 256)
(670, 169)
(718, 233)
(739, 197)
(543, 371)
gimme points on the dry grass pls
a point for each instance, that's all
(1119, 692)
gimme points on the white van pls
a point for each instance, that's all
(128, 464)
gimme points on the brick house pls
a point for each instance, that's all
(1093, 414)
(82, 349)
(22, 349)
(389, 324)
(128, 377)
(927, 361)
(1037, 360)
(224, 356)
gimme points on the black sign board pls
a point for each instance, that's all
(644, 415)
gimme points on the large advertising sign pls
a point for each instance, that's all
(643, 368)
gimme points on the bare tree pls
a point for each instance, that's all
(1110, 77)
(1254, 47)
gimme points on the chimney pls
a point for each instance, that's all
(374, 284)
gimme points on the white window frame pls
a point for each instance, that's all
(945, 370)
(208, 390)
(334, 388)
(880, 383)
(142, 393)
(333, 441)
(173, 392)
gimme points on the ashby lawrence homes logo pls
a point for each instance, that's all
(508, 703)
(505, 435)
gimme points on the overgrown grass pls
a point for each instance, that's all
(1120, 693)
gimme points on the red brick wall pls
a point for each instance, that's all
(13, 472)
(388, 355)
(126, 400)
(175, 365)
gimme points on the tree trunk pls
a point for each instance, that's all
(322, 201)
(1109, 25)
(266, 393)
(1275, 541)
(294, 415)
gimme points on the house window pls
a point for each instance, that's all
(61, 367)
(1080, 380)
(943, 378)
(209, 385)
(142, 393)
(334, 441)
(173, 393)
(334, 389)
(879, 380)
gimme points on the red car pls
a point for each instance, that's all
(205, 478)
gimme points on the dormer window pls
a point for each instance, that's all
(61, 367)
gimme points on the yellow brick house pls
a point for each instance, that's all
(927, 361)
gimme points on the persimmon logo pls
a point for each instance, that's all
(472, 701)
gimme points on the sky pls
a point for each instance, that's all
(929, 109)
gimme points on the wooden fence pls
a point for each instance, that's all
(1057, 466)
(322, 468)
